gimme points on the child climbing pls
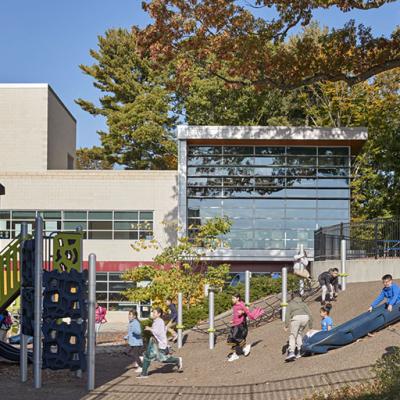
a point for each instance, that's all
(238, 333)
(329, 283)
(300, 265)
(5, 324)
(298, 319)
(390, 291)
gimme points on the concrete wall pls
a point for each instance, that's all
(362, 270)
(99, 190)
(61, 133)
(23, 127)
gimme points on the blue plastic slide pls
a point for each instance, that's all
(351, 331)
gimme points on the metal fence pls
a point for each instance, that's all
(376, 238)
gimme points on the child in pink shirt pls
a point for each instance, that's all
(239, 330)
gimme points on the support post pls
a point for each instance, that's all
(91, 347)
(284, 293)
(23, 355)
(180, 320)
(247, 288)
(211, 329)
(343, 263)
(37, 338)
(301, 282)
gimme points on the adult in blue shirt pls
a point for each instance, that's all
(390, 291)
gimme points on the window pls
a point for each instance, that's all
(100, 225)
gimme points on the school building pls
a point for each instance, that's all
(276, 184)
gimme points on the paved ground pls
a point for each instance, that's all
(207, 375)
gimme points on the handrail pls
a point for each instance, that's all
(10, 278)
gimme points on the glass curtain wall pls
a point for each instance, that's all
(275, 196)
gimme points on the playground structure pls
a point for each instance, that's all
(57, 308)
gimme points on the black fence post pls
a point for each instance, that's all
(376, 238)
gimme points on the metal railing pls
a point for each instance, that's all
(378, 238)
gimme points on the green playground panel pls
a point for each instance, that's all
(67, 251)
(10, 278)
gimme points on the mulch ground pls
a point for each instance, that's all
(209, 368)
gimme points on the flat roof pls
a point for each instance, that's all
(284, 133)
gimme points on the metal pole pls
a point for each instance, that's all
(91, 348)
(284, 293)
(78, 229)
(180, 320)
(301, 282)
(247, 288)
(211, 329)
(37, 337)
(343, 263)
(23, 355)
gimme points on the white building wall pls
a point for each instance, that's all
(23, 127)
(99, 190)
(61, 134)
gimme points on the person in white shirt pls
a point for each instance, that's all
(300, 265)
(157, 348)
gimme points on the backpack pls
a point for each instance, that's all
(6, 322)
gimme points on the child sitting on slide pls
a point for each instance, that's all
(390, 291)
(326, 320)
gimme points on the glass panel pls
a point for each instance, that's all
(75, 215)
(299, 203)
(338, 182)
(306, 151)
(334, 214)
(193, 213)
(238, 213)
(269, 203)
(72, 225)
(270, 150)
(126, 215)
(101, 297)
(204, 182)
(236, 150)
(146, 235)
(127, 235)
(270, 181)
(238, 192)
(237, 203)
(238, 181)
(333, 193)
(301, 182)
(204, 192)
(146, 225)
(23, 214)
(333, 172)
(101, 276)
(333, 151)
(115, 276)
(333, 161)
(100, 235)
(100, 225)
(116, 296)
(301, 192)
(308, 213)
(52, 226)
(119, 286)
(146, 215)
(196, 203)
(103, 215)
(51, 214)
(269, 223)
(242, 223)
(204, 150)
(238, 160)
(210, 212)
(301, 161)
(269, 160)
(276, 171)
(301, 171)
(126, 225)
(269, 213)
(205, 160)
(328, 222)
(269, 191)
(333, 204)
(300, 224)
(101, 286)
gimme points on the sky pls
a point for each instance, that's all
(44, 41)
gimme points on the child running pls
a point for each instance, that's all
(157, 348)
(173, 319)
(135, 340)
(239, 329)
(390, 291)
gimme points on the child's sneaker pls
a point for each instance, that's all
(138, 370)
(233, 357)
(290, 357)
(142, 376)
(246, 350)
(298, 355)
